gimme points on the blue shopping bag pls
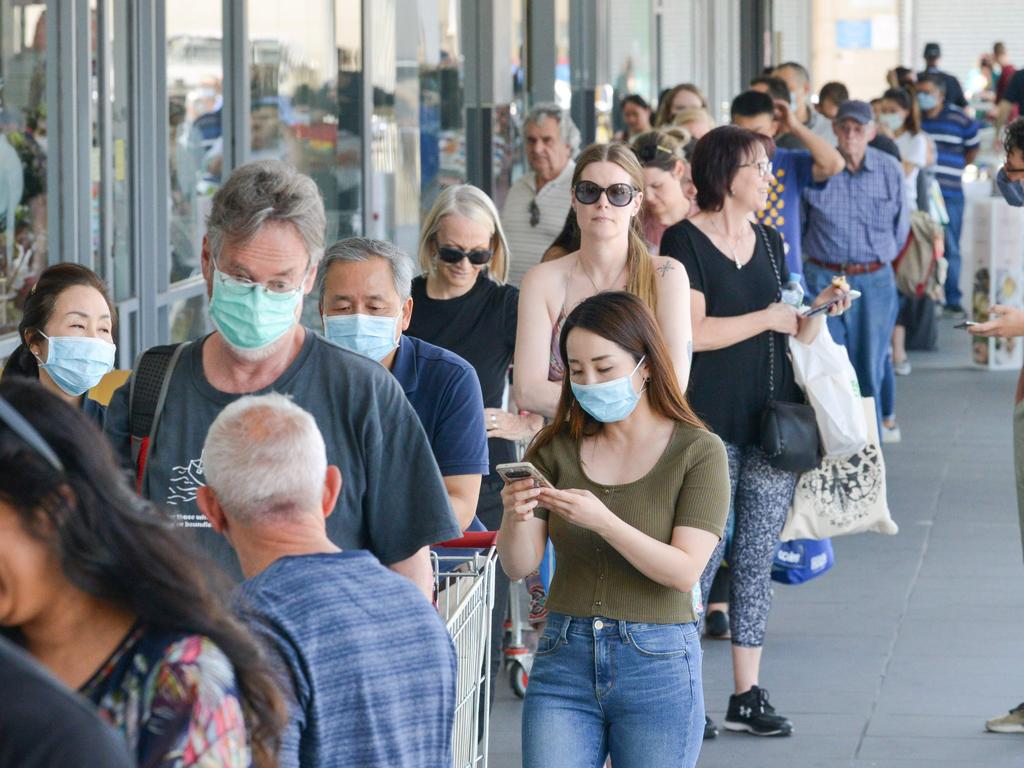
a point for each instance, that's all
(801, 560)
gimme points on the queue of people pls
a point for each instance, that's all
(246, 555)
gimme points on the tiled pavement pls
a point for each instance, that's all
(896, 658)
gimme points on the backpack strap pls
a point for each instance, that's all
(147, 394)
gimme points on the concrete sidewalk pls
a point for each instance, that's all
(896, 657)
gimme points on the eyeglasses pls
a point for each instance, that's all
(278, 287)
(764, 167)
(20, 427)
(534, 214)
(619, 195)
(452, 255)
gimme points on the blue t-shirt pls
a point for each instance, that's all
(791, 175)
(955, 134)
(368, 662)
(444, 391)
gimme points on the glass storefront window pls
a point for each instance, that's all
(442, 121)
(195, 79)
(23, 158)
(563, 78)
(509, 157)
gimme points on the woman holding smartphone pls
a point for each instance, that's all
(639, 500)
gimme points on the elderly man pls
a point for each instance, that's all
(367, 663)
(365, 303)
(538, 202)
(854, 225)
(264, 239)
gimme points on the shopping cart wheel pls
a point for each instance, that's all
(518, 678)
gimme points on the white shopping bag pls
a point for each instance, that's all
(823, 370)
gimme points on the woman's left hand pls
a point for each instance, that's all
(580, 508)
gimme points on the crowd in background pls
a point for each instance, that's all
(231, 561)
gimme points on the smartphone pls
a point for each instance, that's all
(965, 324)
(521, 470)
(823, 308)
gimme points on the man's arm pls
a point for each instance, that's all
(419, 571)
(463, 493)
(827, 160)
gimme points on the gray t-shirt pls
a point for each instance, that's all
(393, 500)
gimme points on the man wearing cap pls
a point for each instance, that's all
(954, 93)
(854, 224)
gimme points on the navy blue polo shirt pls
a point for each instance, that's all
(444, 391)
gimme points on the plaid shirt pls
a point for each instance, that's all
(857, 218)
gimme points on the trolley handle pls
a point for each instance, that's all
(471, 540)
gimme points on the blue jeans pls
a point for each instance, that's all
(866, 328)
(603, 687)
(955, 209)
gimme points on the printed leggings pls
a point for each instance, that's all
(761, 497)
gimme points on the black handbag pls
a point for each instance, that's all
(789, 431)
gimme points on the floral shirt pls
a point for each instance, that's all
(175, 699)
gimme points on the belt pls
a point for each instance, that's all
(850, 269)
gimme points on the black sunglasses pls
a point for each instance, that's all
(534, 213)
(619, 195)
(648, 152)
(451, 255)
(20, 426)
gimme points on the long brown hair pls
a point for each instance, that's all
(639, 263)
(624, 319)
(664, 115)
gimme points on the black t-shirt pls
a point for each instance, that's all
(43, 724)
(480, 327)
(1014, 92)
(729, 387)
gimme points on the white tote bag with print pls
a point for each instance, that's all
(845, 495)
(825, 374)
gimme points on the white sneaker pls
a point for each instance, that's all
(891, 434)
(901, 369)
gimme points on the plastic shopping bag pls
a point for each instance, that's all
(823, 370)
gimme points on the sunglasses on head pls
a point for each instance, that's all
(451, 255)
(19, 425)
(647, 153)
(619, 195)
(534, 213)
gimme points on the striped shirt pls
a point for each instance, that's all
(857, 218)
(527, 243)
(365, 658)
(955, 134)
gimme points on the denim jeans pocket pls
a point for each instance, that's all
(663, 642)
(549, 642)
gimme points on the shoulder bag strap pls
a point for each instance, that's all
(771, 334)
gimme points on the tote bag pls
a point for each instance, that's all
(845, 495)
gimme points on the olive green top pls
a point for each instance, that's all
(688, 486)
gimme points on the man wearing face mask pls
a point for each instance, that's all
(956, 143)
(798, 80)
(365, 289)
(264, 239)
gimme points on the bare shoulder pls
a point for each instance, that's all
(670, 272)
(546, 282)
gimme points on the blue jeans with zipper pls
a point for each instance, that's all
(603, 687)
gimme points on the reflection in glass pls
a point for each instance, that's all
(23, 159)
(563, 79)
(442, 122)
(188, 319)
(195, 79)
(506, 124)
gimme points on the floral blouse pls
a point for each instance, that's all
(175, 699)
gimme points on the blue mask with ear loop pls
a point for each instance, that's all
(609, 401)
(77, 363)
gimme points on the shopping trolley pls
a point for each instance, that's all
(464, 592)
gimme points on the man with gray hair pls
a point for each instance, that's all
(365, 291)
(264, 240)
(539, 201)
(367, 665)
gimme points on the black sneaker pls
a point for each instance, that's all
(710, 729)
(752, 713)
(717, 625)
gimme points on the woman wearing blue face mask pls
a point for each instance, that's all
(67, 335)
(639, 500)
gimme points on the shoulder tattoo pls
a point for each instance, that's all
(665, 268)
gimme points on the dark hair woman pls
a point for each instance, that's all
(67, 335)
(740, 323)
(104, 591)
(638, 500)
(668, 187)
(636, 114)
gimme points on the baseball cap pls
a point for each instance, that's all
(932, 51)
(855, 110)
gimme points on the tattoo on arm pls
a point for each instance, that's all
(665, 268)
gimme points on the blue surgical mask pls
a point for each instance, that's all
(249, 316)
(608, 401)
(927, 101)
(77, 363)
(794, 102)
(368, 335)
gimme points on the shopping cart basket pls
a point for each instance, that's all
(464, 591)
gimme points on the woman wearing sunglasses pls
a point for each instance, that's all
(740, 323)
(668, 188)
(607, 189)
(67, 336)
(639, 497)
(102, 590)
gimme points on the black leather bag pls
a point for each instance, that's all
(789, 431)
